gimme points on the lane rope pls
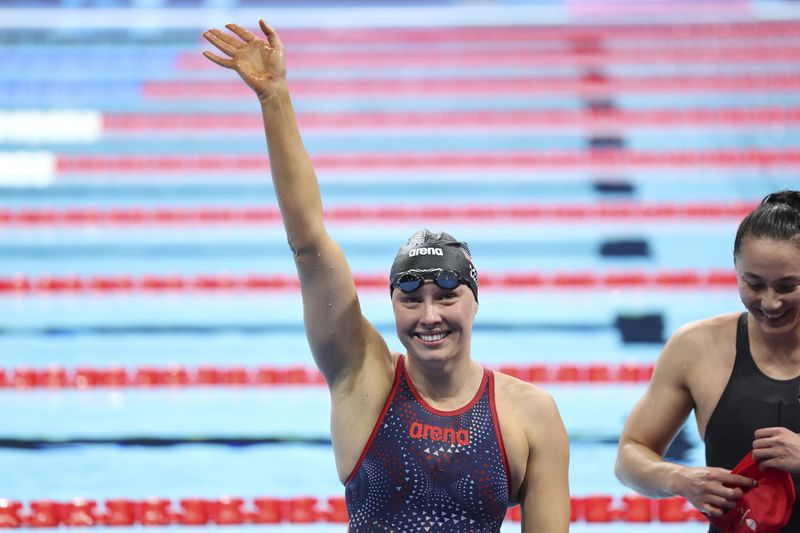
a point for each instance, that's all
(580, 36)
(22, 284)
(548, 119)
(133, 216)
(232, 510)
(178, 376)
(588, 160)
(599, 55)
(591, 85)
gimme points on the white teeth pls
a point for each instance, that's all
(432, 338)
(773, 317)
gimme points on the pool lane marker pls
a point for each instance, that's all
(776, 83)
(609, 211)
(131, 125)
(179, 376)
(197, 167)
(755, 55)
(21, 284)
(232, 510)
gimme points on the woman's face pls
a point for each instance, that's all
(435, 324)
(768, 273)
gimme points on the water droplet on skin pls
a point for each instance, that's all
(330, 333)
(330, 305)
(331, 267)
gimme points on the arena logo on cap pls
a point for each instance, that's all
(425, 251)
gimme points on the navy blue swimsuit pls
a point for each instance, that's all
(429, 470)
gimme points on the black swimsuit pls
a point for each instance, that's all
(751, 400)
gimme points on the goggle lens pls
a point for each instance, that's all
(445, 279)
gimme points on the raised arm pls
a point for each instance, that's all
(337, 332)
(654, 422)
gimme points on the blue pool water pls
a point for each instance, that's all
(45, 68)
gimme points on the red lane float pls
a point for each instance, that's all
(177, 376)
(599, 56)
(589, 85)
(591, 119)
(228, 510)
(134, 216)
(122, 284)
(587, 160)
(579, 36)
(57, 377)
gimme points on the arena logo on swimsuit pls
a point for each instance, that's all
(425, 251)
(436, 433)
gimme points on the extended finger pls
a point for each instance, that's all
(729, 493)
(221, 41)
(736, 480)
(272, 35)
(245, 35)
(227, 63)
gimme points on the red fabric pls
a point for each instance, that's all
(763, 509)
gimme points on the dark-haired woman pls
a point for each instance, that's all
(739, 372)
(428, 440)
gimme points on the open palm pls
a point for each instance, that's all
(260, 62)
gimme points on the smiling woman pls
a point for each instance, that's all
(769, 274)
(420, 435)
(740, 373)
(767, 255)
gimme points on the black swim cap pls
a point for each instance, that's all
(429, 252)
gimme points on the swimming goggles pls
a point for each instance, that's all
(411, 281)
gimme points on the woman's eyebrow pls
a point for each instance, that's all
(791, 278)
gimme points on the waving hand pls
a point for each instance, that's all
(260, 62)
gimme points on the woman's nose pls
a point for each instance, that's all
(431, 315)
(771, 301)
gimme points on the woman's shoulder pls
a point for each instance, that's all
(523, 396)
(696, 345)
(706, 332)
(530, 414)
